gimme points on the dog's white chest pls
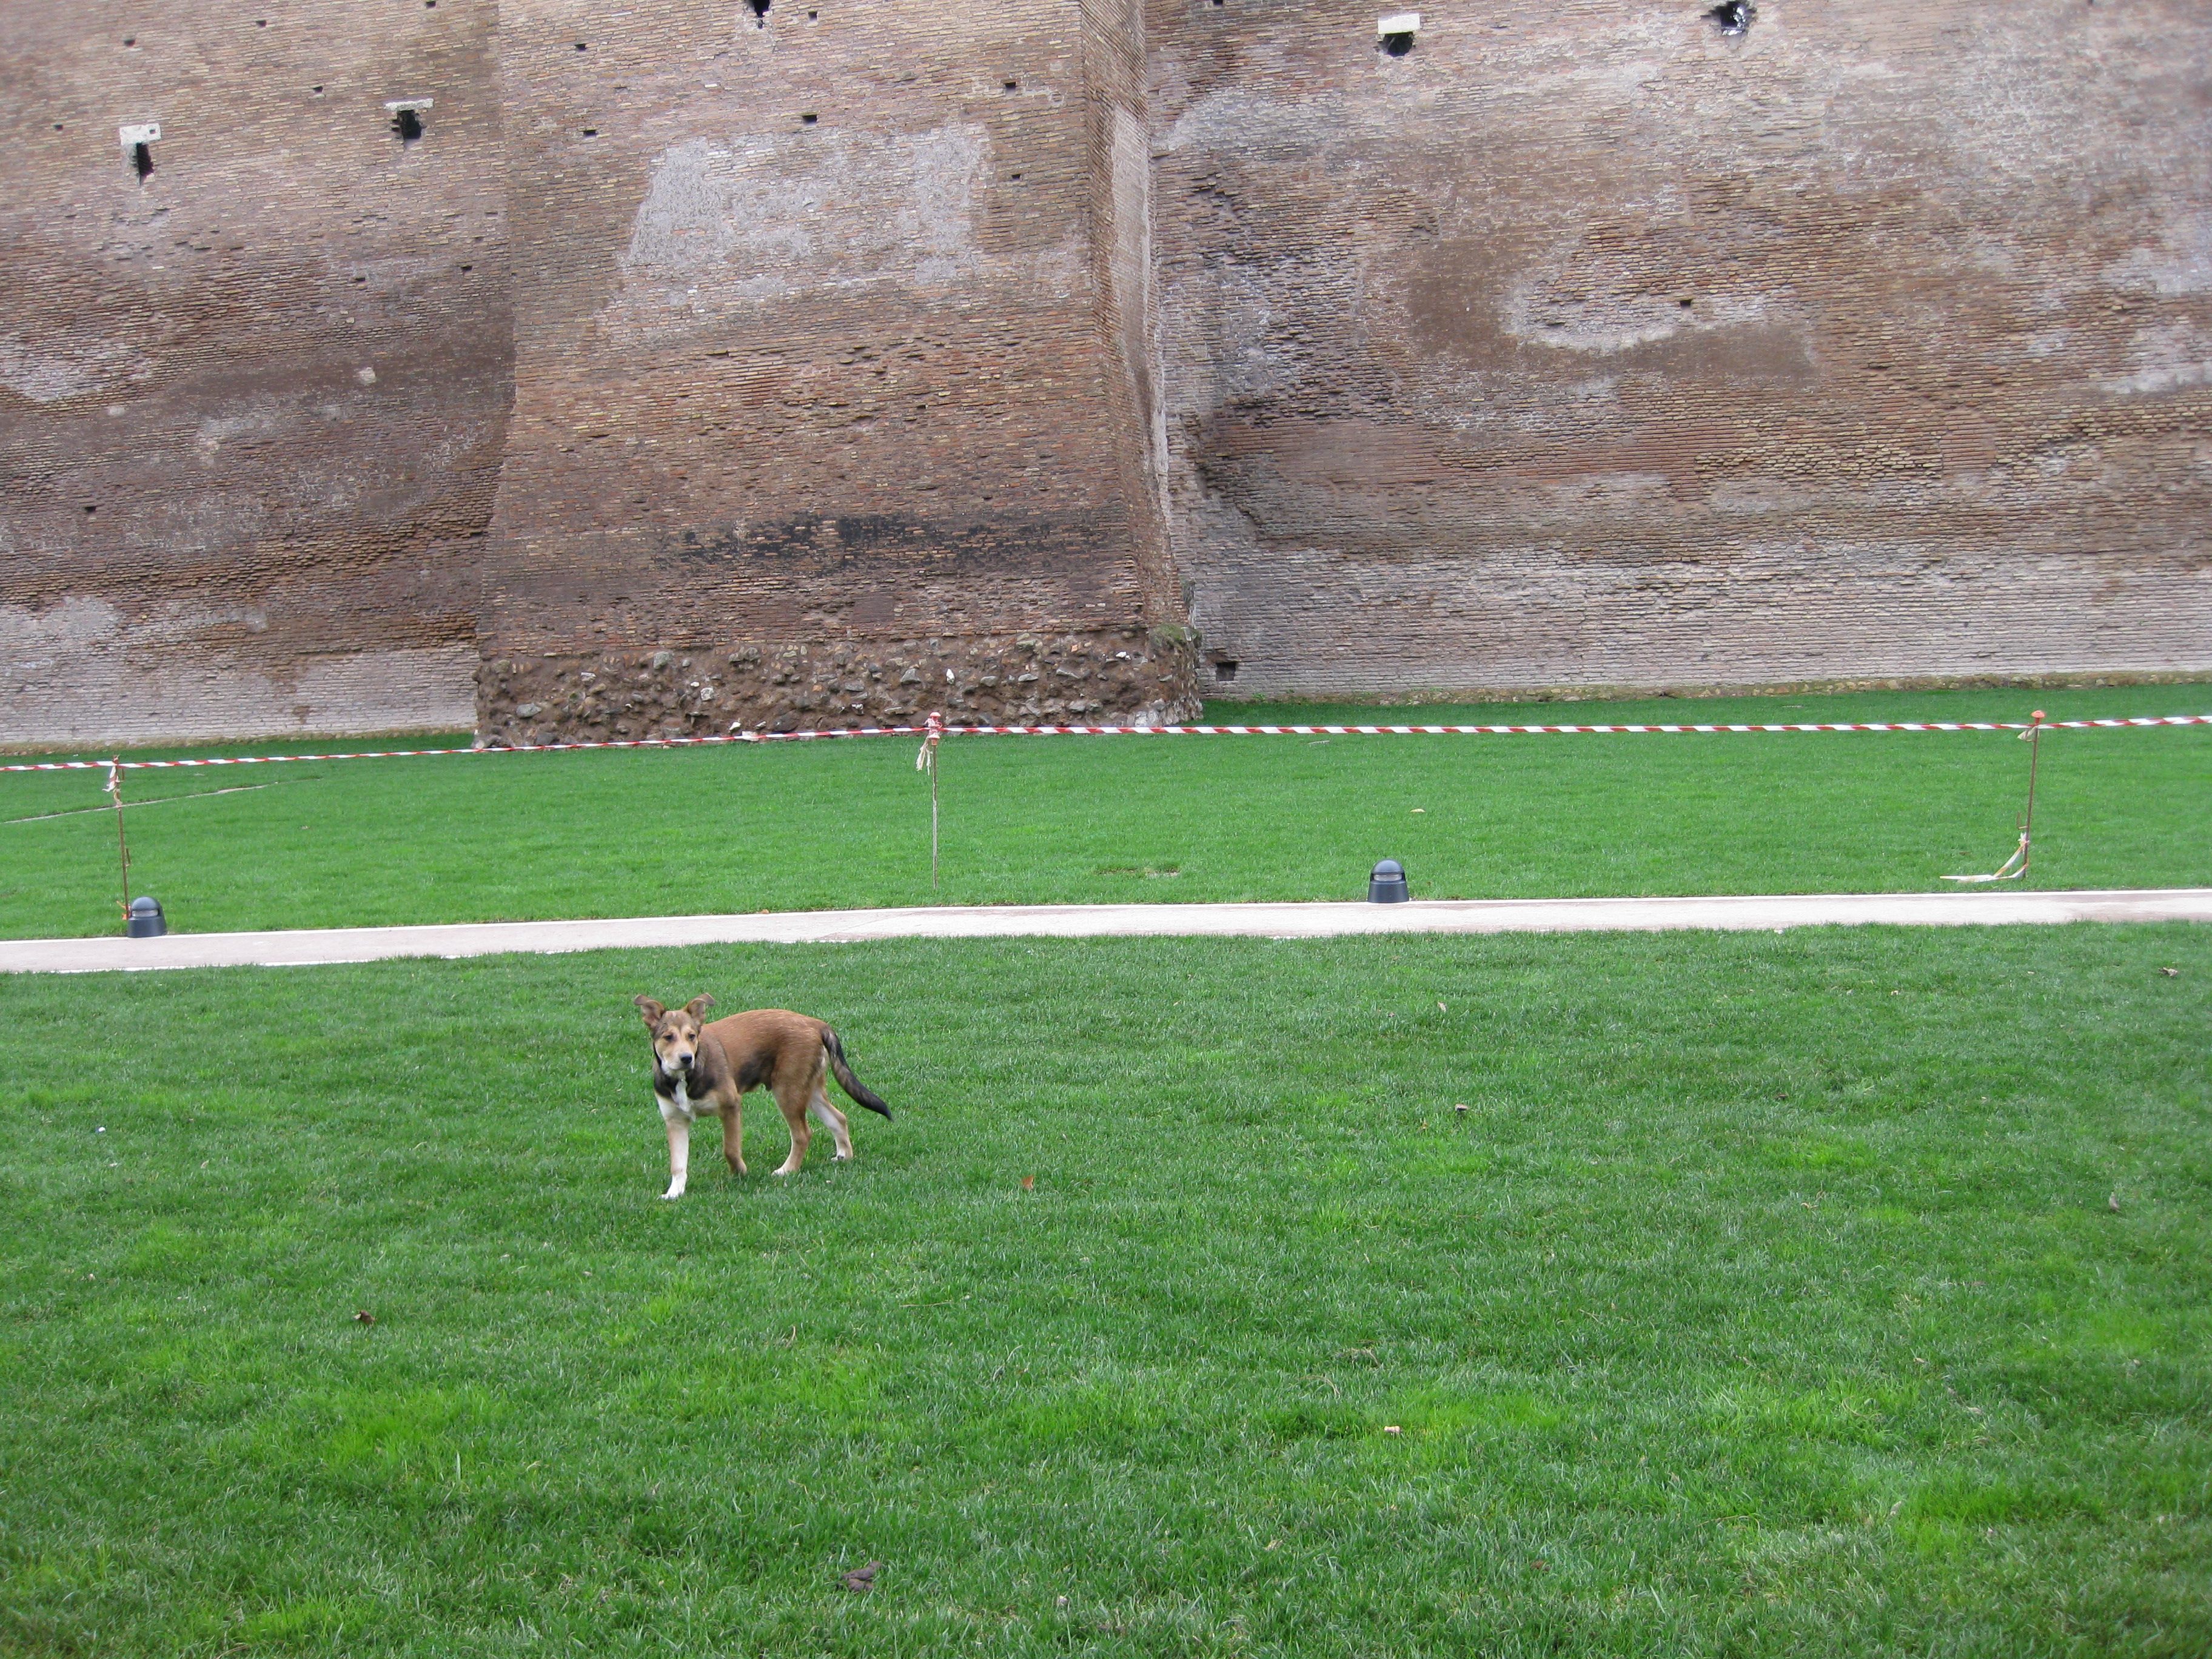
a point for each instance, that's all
(677, 1106)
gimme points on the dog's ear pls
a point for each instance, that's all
(652, 1010)
(698, 1005)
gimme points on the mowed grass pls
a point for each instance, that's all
(1103, 820)
(1767, 1299)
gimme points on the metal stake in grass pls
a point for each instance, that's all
(926, 762)
(122, 846)
(2005, 872)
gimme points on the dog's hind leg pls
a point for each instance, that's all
(832, 1119)
(791, 1097)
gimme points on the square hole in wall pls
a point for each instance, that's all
(407, 117)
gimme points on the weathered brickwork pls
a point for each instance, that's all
(1586, 345)
(818, 340)
(809, 351)
(251, 406)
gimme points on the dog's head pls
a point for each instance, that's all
(675, 1032)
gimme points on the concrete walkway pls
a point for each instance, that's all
(88, 956)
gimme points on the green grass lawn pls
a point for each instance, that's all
(1090, 820)
(1767, 1299)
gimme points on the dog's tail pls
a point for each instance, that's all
(851, 1085)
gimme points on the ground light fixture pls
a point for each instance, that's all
(146, 920)
(1386, 883)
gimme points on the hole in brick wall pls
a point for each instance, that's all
(1224, 672)
(1686, 304)
(91, 510)
(809, 118)
(261, 22)
(1733, 16)
(129, 40)
(468, 267)
(1014, 175)
(1397, 44)
(141, 160)
(408, 123)
(319, 92)
(591, 133)
(583, 45)
(1013, 86)
(760, 13)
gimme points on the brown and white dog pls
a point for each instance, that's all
(706, 1069)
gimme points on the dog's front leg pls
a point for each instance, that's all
(679, 1147)
(733, 1138)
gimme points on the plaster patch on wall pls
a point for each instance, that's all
(1607, 85)
(754, 218)
(1227, 320)
(2167, 359)
(1546, 311)
(258, 419)
(46, 372)
(79, 672)
(2182, 265)
(1242, 122)
(49, 637)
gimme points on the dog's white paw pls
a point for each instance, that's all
(674, 1192)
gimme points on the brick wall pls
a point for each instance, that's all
(251, 403)
(822, 336)
(1587, 345)
(695, 366)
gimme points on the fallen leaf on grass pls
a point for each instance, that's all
(2171, 973)
(364, 1317)
(1029, 1183)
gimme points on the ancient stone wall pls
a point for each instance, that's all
(1589, 344)
(823, 340)
(251, 400)
(842, 362)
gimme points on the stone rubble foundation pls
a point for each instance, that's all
(1126, 675)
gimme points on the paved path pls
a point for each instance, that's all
(86, 956)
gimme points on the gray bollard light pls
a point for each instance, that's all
(1387, 884)
(146, 920)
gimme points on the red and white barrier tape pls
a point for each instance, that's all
(1115, 732)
